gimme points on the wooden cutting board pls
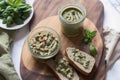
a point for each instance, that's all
(47, 8)
(34, 65)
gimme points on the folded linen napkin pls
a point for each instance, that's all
(7, 71)
(112, 44)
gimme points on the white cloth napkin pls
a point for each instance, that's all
(112, 44)
(116, 4)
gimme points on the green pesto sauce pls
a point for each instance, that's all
(80, 58)
(43, 43)
(62, 66)
(72, 14)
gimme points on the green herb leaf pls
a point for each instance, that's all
(88, 36)
(14, 11)
(9, 21)
(18, 21)
(93, 50)
(10, 2)
(86, 40)
(93, 33)
(2, 4)
(15, 3)
(4, 21)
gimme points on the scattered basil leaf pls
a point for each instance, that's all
(93, 33)
(88, 36)
(93, 50)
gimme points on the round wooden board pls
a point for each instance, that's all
(39, 71)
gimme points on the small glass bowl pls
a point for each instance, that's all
(37, 30)
(71, 29)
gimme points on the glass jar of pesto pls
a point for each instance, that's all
(71, 16)
(44, 43)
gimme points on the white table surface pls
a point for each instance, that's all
(111, 19)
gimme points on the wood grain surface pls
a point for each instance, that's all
(46, 8)
(36, 66)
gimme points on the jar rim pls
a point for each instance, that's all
(76, 5)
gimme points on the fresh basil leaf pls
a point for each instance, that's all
(27, 10)
(18, 21)
(25, 16)
(9, 9)
(14, 11)
(11, 2)
(88, 36)
(87, 40)
(93, 33)
(9, 21)
(17, 2)
(92, 50)
(2, 4)
(4, 21)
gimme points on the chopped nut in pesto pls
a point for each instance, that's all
(80, 58)
(72, 14)
(43, 43)
(62, 66)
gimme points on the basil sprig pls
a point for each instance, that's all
(88, 39)
(88, 36)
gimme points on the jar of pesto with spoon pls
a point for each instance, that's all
(72, 16)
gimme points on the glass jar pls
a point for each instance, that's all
(35, 34)
(71, 16)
